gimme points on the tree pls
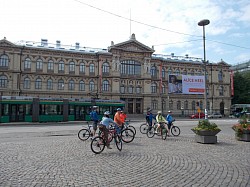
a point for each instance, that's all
(241, 88)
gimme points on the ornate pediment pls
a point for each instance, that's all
(223, 63)
(6, 43)
(131, 45)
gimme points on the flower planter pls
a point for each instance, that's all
(245, 136)
(206, 136)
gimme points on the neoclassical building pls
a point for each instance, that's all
(128, 71)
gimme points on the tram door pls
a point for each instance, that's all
(17, 113)
(80, 113)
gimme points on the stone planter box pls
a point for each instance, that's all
(206, 136)
(244, 137)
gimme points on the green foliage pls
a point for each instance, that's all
(206, 125)
(241, 88)
(242, 126)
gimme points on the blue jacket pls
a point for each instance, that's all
(94, 116)
(150, 117)
(169, 118)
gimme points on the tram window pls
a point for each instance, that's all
(71, 109)
(104, 109)
(51, 109)
(5, 109)
(28, 110)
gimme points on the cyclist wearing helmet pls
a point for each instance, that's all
(160, 120)
(104, 126)
(170, 119)
(94, 118)
(117, 117)
(149, 118)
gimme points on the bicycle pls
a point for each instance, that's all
(144, 128)
(175, 131)
(128, 126)
(98, 143)
(163, 131)
(85, 133)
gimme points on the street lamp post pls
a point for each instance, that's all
(203, 23)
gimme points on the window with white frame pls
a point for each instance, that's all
(3, 81)
(82, 68)
(91, 68)
(60, 84)
(153, 88)
(105, 67)
(50, 65)
(39, 64)
(105, 85)
(61, 66)
(130, 89)
(38, 83)
(49, 84)
(91, 86)
(153, 71)
(138, 90)
(4, 61)
(27, 63)
(72, 66)
(71, 85)
(26, 84)
(82, 86)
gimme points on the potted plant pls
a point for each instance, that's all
(205, 132)
(242, 129)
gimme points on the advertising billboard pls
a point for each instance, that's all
(186, 84)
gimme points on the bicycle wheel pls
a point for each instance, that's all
(144, 128)
(97, 145)
(127, 135)
(132, 128)
(83, 134)
(150, 132)
(175, 131)
(118, 142)
(163, 133)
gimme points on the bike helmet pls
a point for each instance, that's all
(95, 106)
(106, 113)
(159, 112)
(169, 111)
(149, 109)
(118, 109)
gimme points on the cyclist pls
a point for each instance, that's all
(170, 120)
(104, 127)
(149, 118)
(117, 118)
(94, 118)
(161, 121)
(123, 117)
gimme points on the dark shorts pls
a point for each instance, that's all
(95, 125)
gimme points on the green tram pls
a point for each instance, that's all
(32, 109)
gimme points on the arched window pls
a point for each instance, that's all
(60, 84)
(130, 67)
(61, 66)
(50, 65)
(186, 105)
(39, 64)
(163, 89)
(184, 72)
(82, 68)
(170, 71)
(26, 84)
(105, 67)
(221, 90)
(220, 75)
(105, 85)
(91, 68)
(4, 61)
(3, 81)
(153, 88)
(82, 86)
(193, 105)
(72, 66)
(71, 85)
(163, 73)
(178, 105)
(27, 63)
(130, 89)
(177, 72)
(91, 86)
(153, 71)
(38, 83)
(171, 105)
(49, 84)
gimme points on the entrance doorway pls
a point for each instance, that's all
(17, 113)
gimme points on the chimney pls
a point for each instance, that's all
(58, 43)
(77, 45)
(44, 42)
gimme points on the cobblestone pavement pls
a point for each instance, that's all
(61, 159)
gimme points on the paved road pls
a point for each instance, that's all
(53, 156)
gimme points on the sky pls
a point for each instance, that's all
(170, 26)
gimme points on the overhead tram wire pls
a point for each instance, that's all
(152, 26)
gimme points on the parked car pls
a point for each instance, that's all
(197, 115)
(215, 115)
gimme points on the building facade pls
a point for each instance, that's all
(128, 71)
